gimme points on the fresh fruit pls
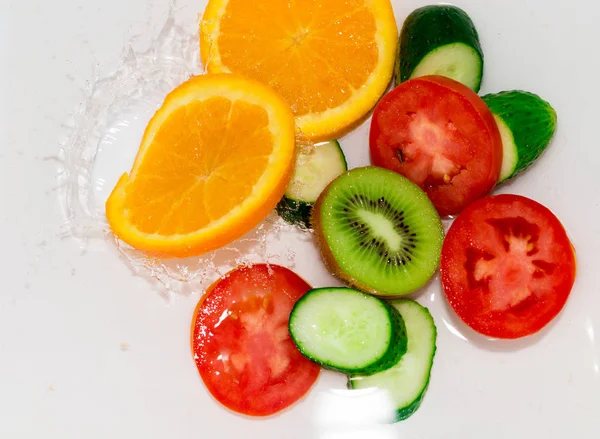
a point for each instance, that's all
(214, 161)
(440, 40)
(378, 231)
(440, 135)
(347, 330)
(507, 266)
(241, 343)
(407, 381)
(331, 60)
(313, 171)
(526, 123)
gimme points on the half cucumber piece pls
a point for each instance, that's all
(347, 330)
(440, 40)
(313, 171)
(407, 380)
(526, 123)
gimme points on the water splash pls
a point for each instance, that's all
(105, 134)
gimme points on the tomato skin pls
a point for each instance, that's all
(241, 344)
(507, 266)
(468, 137)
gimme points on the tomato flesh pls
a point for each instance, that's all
(440, 135)
(507, 266)
(241, 342)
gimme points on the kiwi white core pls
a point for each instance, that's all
(381, 228)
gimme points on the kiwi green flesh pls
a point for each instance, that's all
(378, 231)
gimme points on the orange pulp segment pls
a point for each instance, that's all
(330, 59)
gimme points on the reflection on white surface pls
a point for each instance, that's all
(589, 324)
(453, 330)
(590, 330)
(117, 149)
(349, 414)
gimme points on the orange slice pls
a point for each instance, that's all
(214, 161)
(330, 59)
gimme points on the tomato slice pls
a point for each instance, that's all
(439, 134)
(241, 342)
(507, 266)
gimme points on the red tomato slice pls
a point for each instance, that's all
(507, 266)
(241, 342)
(439, 134)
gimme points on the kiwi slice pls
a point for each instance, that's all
(378, 231)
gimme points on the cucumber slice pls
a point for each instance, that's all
(313, 172)
(526, 123)
(440, 40)
(408, 379)
(347, 330)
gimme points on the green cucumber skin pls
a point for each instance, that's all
(531, 120)
(428, 28)
(407, 412)
(403, 413)
(397, 347)
(295, 212)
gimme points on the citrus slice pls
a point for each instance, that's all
(214, 161)
(330, 59)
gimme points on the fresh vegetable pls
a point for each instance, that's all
(507, 266)
(313, 171)
(330, 59)
(440, 40)
(407, 380)
(378, 231)
(526, 123)
(347, 330)
(214, 161)
(440, 135)
(241, 342)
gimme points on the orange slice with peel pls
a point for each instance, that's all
(330, 59)
(214, 161)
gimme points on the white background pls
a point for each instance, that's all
(88, 350)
